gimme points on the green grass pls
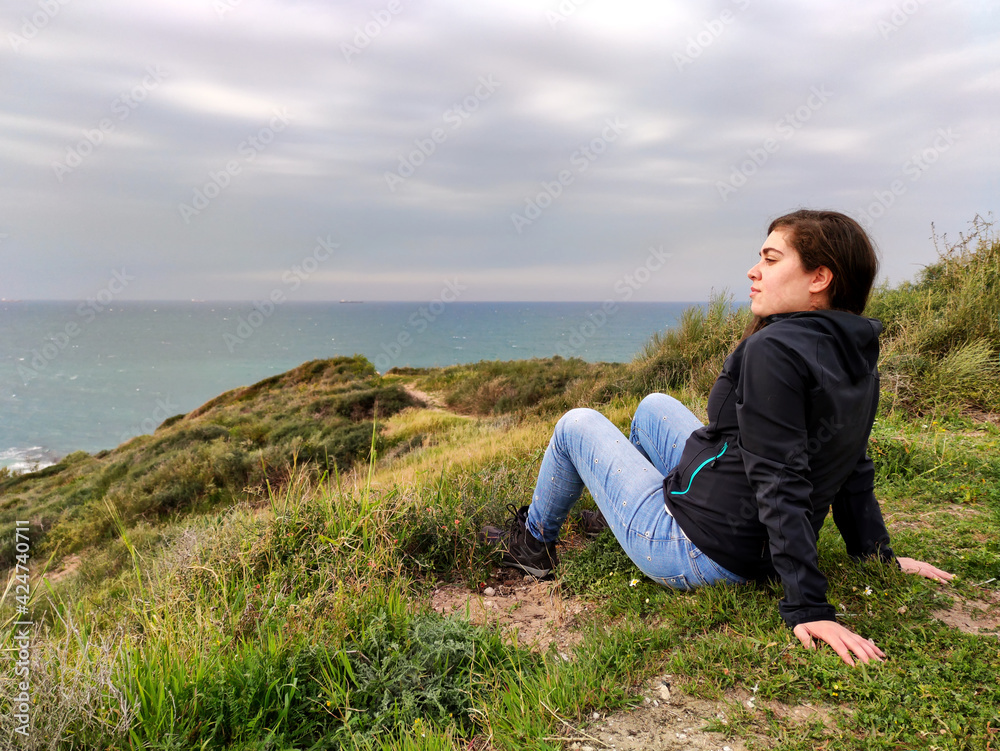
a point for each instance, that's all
(318, 415)
(255, 575)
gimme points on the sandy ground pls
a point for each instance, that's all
(667, 718)
(979, 616)
(68, 565)
(533, 612)
(429, 401)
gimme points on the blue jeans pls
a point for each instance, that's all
(625, 477)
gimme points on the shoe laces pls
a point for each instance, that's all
(518, 524)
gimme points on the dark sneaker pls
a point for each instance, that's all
(593, 522)
(520, 549)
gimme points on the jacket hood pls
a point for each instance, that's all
(856, 336)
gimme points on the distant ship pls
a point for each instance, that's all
(343, 302)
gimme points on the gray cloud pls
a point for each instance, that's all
(190, 91)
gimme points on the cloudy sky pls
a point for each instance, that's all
(517, 150)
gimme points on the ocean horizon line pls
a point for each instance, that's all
(251, 301)
(85, 375)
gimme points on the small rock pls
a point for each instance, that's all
(489, 592)
(664, 693)
(646, 700)
(727, 748)
(596, 715)
(656, 703)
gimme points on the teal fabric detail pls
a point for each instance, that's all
(700, 467)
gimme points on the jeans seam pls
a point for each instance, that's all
(649, 439)
(722, 575)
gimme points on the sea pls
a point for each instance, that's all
(86, 377)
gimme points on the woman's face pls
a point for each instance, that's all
(780, 284)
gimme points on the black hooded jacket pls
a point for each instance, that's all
(789, 420)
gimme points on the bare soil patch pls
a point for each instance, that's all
(666, 718)
(533, 612)
(908, 519)
(67, 566)
(973, 616)
(427, 401)
(979, 416)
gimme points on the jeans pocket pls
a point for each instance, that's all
(676, 582)
(713, 573)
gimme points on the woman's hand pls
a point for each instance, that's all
(926, 570)
(842, 639)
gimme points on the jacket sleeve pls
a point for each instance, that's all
(771, 412)
(858, 517)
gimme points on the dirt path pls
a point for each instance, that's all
(534, 612)
(431, 402)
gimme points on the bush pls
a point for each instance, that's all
(941, 335)
(690, 355)
(525, 386)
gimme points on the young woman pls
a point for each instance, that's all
(743, 498)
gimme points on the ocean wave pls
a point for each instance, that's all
(31, 459)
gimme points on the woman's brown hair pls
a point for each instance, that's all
(834, 240)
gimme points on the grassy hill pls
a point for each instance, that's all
(261, 573)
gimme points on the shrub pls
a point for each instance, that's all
(942, 333)
(690, 355)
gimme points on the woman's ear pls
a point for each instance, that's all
(821, 279)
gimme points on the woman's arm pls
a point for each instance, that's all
(857, 514)
(858, 517)
(771, 412)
